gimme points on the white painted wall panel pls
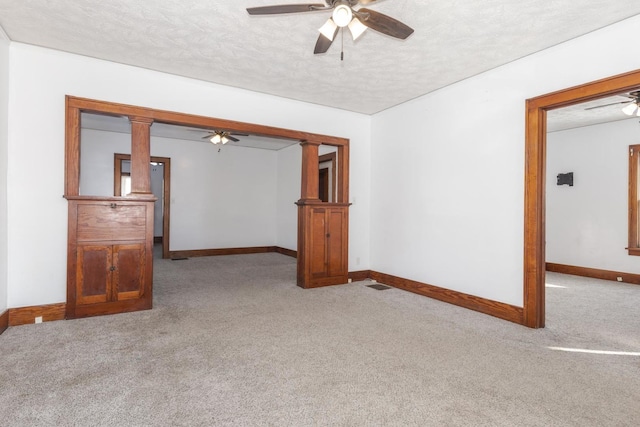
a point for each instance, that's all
(448, 168)
(37, 214)
(223, 199)
(4, 142)
(289, 187)
(587, 223)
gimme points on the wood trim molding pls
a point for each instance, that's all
(4, 321)
(27, 315)
(358, 276)
(594, 273)
(285, 251)
(231, 251)
(471, 302)
(534, 192)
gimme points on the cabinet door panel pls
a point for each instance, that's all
(128, 276)
(102, 222)
(336, 256)
(93, 276)
(318, 243)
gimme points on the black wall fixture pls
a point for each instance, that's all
(565, 179)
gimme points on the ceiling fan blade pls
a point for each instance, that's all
(384, 24)
(606, 105)
(209, 136)
(285, 8)
(323, 44)
(239, 134)
(230, 138)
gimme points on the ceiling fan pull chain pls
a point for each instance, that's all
(342, 47)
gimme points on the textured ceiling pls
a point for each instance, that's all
(218, 41)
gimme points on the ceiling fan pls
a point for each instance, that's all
(222, 137)
(629, 110)
(343, 15)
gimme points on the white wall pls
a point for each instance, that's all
(587, 224)
(222, 199)
(37, 214)
(289, 188)
(448, 182)
(4, 122)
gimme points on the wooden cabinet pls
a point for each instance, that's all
(323, 243)
(110, 256)
(106, 273)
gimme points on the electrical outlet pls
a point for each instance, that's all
(38, 319)
(619, 278)
(349, 280)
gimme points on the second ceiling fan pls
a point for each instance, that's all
(343, 15)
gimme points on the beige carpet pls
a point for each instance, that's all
(233, 342)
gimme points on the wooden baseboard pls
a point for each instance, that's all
(218, 252)
(358, 276)
(4, 321)
(471, 302)
(27, 315)
(232, 251)
(594, 273)
(284, 251)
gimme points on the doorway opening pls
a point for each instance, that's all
(535, 170)
(160, 169)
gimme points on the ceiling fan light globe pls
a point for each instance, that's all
(328, 29)
(216, 139)
(224, 140)
(342, 15)
(357, 28)
(630, 109)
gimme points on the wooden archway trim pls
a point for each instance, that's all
(535, 167)
(75, 105)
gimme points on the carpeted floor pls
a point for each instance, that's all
(233, 341)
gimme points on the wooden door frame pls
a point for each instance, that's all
(142, 118)
(166, 192)
(330, 157)
(535, 169)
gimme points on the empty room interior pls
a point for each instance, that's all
(366, 212)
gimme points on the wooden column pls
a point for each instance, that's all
(310, 172)
(140, 155)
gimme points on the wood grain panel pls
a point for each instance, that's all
(113, 221)
(594, 273)
(337, 259)
(93, 275)
(4, 321)
(284, 251)
(358, 276)
(27, 315)
(482, 305)
(128, 277)
(222, 251)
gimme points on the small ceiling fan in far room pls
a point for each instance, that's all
(222, 137)
(632, 109)
(343, 15)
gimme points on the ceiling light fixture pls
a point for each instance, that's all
(632, 109)
(329, 29)
(342, 15)
(219, 139)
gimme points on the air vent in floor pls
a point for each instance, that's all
(378, 287)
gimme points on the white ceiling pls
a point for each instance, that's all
(218, 41)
